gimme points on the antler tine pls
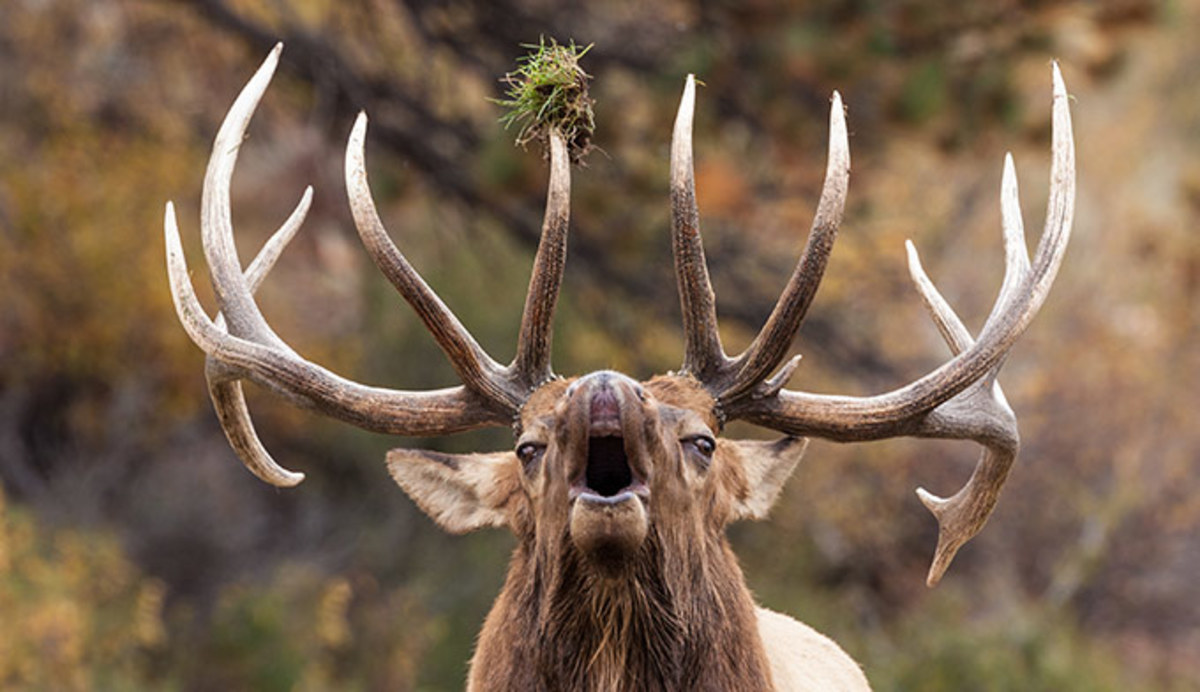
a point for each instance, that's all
(770, 347)
(229, 400)
(479, 372)
(1016, 254)
(703, 356)
(265, 260)
(531, 365)
(216, 223)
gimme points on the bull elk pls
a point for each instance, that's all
(619, 491)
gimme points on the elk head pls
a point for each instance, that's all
(609, 475)
(601, 463)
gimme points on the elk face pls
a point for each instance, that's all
(607, 464)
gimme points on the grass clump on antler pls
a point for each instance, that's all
(549, 91)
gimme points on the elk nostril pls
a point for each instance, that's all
(608, 471)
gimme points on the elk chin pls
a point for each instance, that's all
(609, 531)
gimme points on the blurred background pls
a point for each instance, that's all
(137, 553)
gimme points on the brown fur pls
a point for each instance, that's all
(674, 622)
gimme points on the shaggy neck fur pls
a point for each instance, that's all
(675, 617)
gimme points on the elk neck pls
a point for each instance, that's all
(679, 617)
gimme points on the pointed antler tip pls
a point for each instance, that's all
(1060, 87)
(293, 479)
(932, 502)
(914, 259)
(839, 138)
(356, 143)
(1008, 179)
(942, 557)
(837, 110)
(687, 102)
(272, 60)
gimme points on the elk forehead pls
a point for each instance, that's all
(678, 391)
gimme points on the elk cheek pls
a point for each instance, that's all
(609, 533)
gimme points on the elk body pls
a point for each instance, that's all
(619, 491)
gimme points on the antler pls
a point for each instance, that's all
(241, 345)
(959, 400)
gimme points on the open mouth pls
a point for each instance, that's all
(608, 471)
(608, 477)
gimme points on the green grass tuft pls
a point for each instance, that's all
(549, 91)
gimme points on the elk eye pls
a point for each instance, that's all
(703, 444)
(530, 453)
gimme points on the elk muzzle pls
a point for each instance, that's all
(607, 463)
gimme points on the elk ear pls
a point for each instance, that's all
(765, 466)
(461, 492)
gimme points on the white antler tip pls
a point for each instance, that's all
(681, 136)
(687, 104)
(356, 145)
(359, 132)
(914, 259)
(839, 140)
(837, 115)
(932, 502)
(1060, 87)
(171, 230)
(272, 60)
(290, 480)
(1008, 180)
